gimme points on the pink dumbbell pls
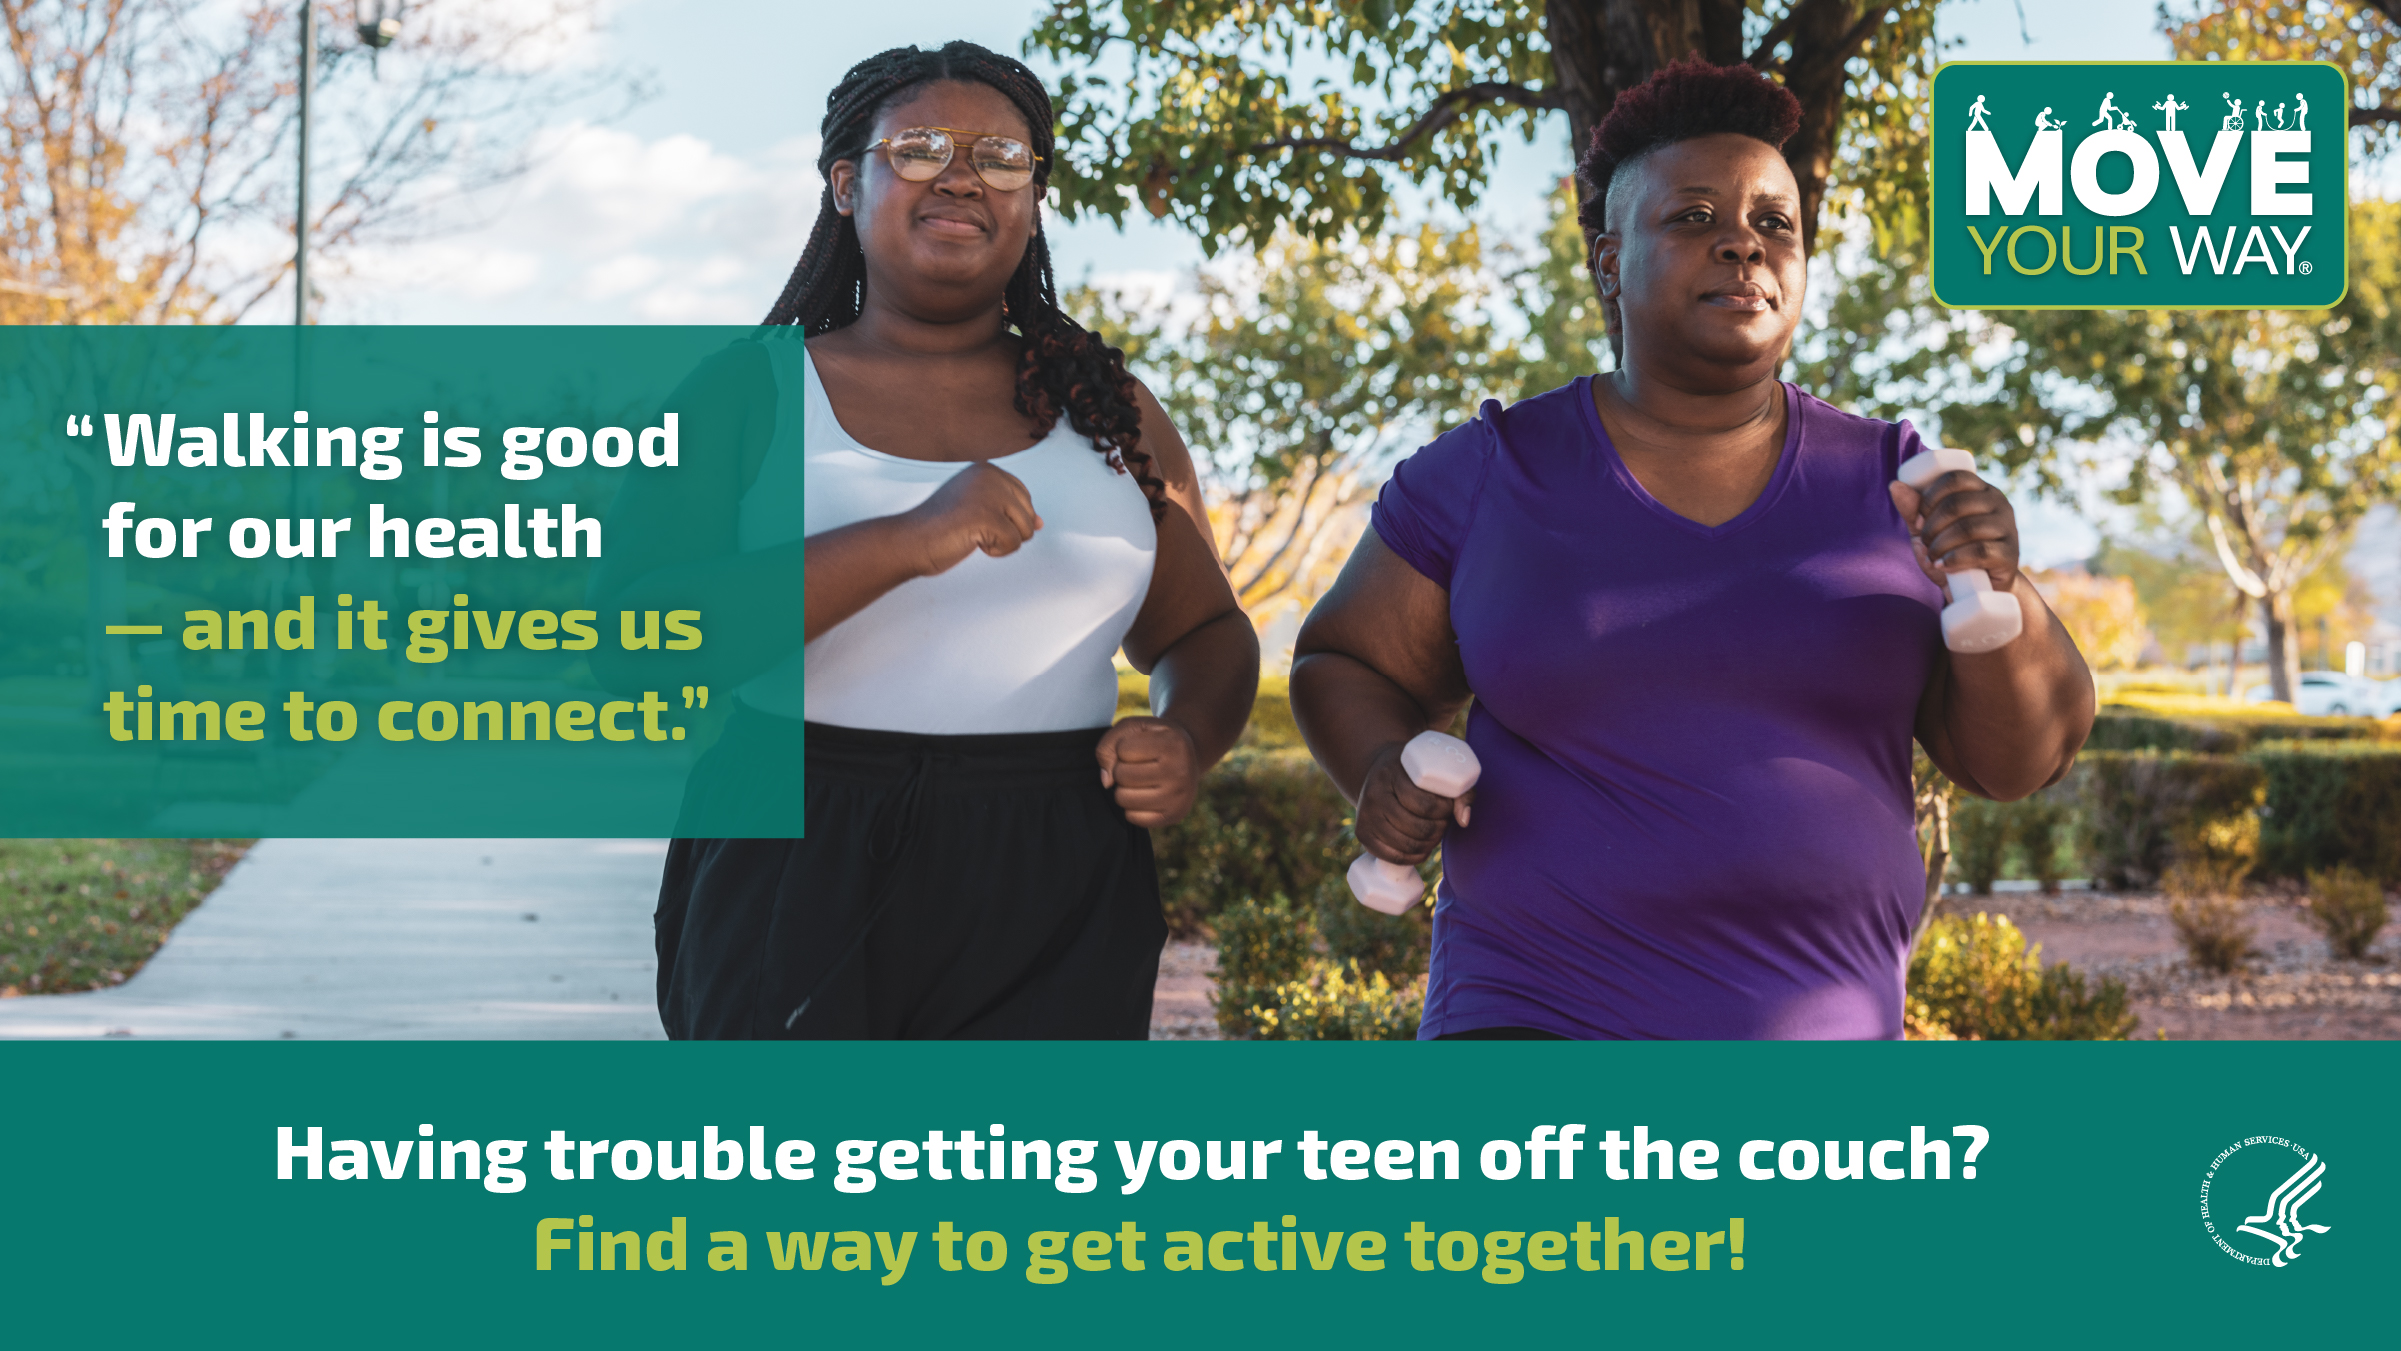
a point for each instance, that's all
(1978, 619)
(1442, 765)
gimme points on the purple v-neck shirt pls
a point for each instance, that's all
(1695, 813)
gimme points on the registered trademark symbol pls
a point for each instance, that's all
(2304, 269)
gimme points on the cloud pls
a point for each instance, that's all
(621, 274)
(608, 227)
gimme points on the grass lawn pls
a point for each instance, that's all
(85, 914)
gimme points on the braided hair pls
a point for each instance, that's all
(1681, 100)
(1066, 368)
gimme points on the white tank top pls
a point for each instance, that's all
(1017, 644)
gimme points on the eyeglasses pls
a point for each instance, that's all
(920, 154)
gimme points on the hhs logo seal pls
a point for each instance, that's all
(2251, 1199)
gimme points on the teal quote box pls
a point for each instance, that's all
(2139, 185)
(379, 582)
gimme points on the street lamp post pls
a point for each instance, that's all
(376, 31)
(308, 85)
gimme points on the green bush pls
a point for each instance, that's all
(1976, 979)
(1268, 822)
(2119, 730)
(1262, 946)
(2146, 811)
(2331, 804)
(2044, 821)
(1980, 833)
(2349, 908)
(2129, 729)
(1988, 837)
(2211, 925)
(1335, 1001)
(1331, 970)
(1396, 945)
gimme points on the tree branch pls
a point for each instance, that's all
(1768, 40)
(1867, 24)
(1762, 59)
(2390, 116)
(2220, 499)
(1447, 109)
(1300, 518)
(2245, 580)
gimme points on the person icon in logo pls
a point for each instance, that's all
(2259, 115)
(2109, 110)
(2234, 119)
(2043, 123)
(1975, 115)
(2300, 112)
(2279, 117)
(2171, 107)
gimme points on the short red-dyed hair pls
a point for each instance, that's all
(1680, 101)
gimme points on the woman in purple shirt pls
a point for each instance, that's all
(1698, 618)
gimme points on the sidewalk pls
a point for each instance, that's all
(395, 939)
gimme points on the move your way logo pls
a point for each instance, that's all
(2126, 185)
(2237, 1179)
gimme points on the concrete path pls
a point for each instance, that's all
(395, 939)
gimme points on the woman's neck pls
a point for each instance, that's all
(892, 330)
(1663, 409)
(1704, 454)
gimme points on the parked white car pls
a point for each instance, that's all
(2333, 694)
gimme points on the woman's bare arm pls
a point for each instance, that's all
(2005, 723)
(1375, 664)
(1194, 642)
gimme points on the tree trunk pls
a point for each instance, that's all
(1934, 821)
(2284, 652)
(2234, 651)
(1601, 48)
(1815, 77)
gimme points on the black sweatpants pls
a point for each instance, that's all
(949, 886)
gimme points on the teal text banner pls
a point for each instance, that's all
(1198, 1195)
(384, 581)
(2139, 185)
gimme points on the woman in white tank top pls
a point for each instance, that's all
(980, 508)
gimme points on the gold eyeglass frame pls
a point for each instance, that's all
(970, 139)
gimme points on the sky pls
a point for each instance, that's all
(693, 208)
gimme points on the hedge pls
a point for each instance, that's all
(2145, 794)
(1268, 823)
(2125, 728)
(1986, 836)
(2330, 804)
(2147, 811)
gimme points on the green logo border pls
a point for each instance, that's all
(1934, 152)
